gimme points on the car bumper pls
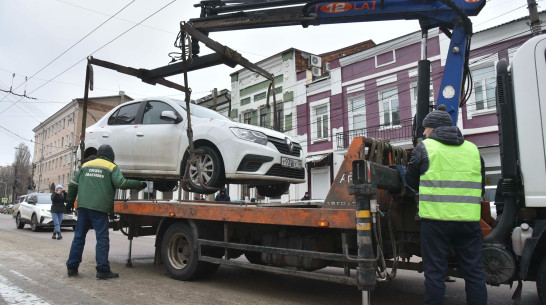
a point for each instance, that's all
(68, 221)
(242, 163)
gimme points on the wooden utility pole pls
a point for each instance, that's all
(534, 20)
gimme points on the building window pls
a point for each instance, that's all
(357, 117)
(280, 118)
(388, 107)
(288, 122)
(264, 117)
(484, 87)
(247, 117)
(321, 117)
(413, 93)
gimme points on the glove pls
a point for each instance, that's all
(143, 185)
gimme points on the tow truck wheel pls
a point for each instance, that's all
(541, 281)
(179, 252)
(273, 190)
(18, 221)
(211, 171)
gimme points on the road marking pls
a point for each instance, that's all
(23, 276)
(15, 295)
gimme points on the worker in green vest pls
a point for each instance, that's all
(449, 174)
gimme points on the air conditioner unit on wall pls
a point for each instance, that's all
(315, 61)
(327, 67)
(316, 71)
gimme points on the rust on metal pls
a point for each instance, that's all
(340, 219)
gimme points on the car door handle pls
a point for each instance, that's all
(139, 134)
(104, 135)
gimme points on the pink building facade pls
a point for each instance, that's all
(373, 93)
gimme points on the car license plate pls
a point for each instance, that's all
(292, 163)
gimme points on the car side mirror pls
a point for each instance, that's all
(31, 201)
(169, 115)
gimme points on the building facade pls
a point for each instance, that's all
(57, 139)
(373, 94)
(293, 69)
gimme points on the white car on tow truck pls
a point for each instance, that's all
(150, 143)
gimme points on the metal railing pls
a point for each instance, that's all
(400, 132)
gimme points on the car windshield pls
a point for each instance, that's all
(202, 112)
(44, 199)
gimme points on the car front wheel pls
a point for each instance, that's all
(34, 223)
(274, 190)
(18, 221)
(210, 164)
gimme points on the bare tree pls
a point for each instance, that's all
(22, 171)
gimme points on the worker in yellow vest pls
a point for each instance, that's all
(448, 173)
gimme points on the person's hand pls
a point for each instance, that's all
(64, 193)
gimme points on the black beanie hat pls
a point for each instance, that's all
(106, 150)
(438, 118)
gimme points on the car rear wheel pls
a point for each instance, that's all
(208, 160)
(274, 190)
(34, 223)
(18, 221)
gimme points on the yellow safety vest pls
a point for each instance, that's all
(451, 189)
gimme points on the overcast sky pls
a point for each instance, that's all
(35, 32)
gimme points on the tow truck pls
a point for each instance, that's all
(367, 223)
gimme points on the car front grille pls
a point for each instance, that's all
(281, 171)
(282, 147)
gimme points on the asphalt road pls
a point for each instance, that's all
(32, 271)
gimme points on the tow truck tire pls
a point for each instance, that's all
(18, 222)
(541, 281)
(274, 190)
(213, 168)
(179, 253)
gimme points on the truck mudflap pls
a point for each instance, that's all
(533, 251)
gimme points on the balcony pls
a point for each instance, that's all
(396, 134)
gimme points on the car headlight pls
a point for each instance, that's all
(249, 135)
(45, 212)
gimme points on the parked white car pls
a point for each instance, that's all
(35, 209)
(150, 143)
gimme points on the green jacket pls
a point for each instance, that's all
(95, 185)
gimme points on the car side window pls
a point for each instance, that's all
(153, 110)
(112, 118)
(126, 115)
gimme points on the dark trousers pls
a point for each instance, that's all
(99, 221)
(465, 238)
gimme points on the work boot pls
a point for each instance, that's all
(59, 236)
(72, 272)
(106, 275)
(54, 235)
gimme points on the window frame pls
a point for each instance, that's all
(352, 113)
(413, 97)
(381, 102)
(313, 122)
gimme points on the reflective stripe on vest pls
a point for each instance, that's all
(451, 189)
